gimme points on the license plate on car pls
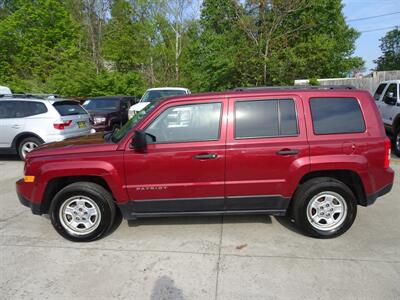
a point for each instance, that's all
(82, 124)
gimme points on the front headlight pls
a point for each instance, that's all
(99, 120)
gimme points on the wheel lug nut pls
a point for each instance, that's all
(77, 218)
(327, 205)
(322, 213)
(331, 209)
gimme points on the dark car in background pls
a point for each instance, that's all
(109, 112)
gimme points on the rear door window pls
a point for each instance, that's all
(265, 118)
(336, 115)
(379, 91)
(32, 108)
(69, 108)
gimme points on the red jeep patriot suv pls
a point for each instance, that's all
(312, 153)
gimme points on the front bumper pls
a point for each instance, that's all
(23, 191)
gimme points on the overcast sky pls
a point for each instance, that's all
(367, 45)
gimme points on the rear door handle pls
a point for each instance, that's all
(16, 126)
(205, 156)
(288, 152)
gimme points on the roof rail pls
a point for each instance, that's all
(31, 96)
(296, 87)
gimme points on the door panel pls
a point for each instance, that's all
(178, 176)
(258, 168)
(12, 122)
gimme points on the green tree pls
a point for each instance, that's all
(390, 46)
(36, 39)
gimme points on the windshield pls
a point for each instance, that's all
(120, 133)
(95, 104)
(151, 96)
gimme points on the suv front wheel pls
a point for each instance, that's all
(82, 212)
(324, 207)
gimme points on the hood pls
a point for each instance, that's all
(84, 144)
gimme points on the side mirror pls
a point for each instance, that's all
(139, 141)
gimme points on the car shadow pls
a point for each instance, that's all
(198, 220)
(286, 222)
(9, 157)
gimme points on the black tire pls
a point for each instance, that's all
(94, 192)
(314, 187)
(27, 141)
(396, 142)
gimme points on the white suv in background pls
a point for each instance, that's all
(155, 94)
(25, 123)
(387, 97)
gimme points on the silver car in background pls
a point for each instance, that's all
(25, 123)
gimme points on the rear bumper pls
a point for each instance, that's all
(23, 196)
(372, 198)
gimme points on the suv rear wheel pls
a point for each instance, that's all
(324, 207)
(27, 145)
(83, 212)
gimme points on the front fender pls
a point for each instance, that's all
(112, 174)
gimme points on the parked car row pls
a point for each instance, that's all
(27, 121)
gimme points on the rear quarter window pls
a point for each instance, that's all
(69, 108)
(336, 115)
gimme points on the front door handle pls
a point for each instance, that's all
(205, 156)
(288, 152)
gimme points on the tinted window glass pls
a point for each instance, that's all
(336, 115)
(21, 109)
(69, 108)
(256, 118)
(30, 108)
(265, 118)
(155, 95)
(104, 103)
(8, 109)
(184, 123)
(379, 91)
(288, 118)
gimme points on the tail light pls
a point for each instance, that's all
(386, 163)
(62, 125)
